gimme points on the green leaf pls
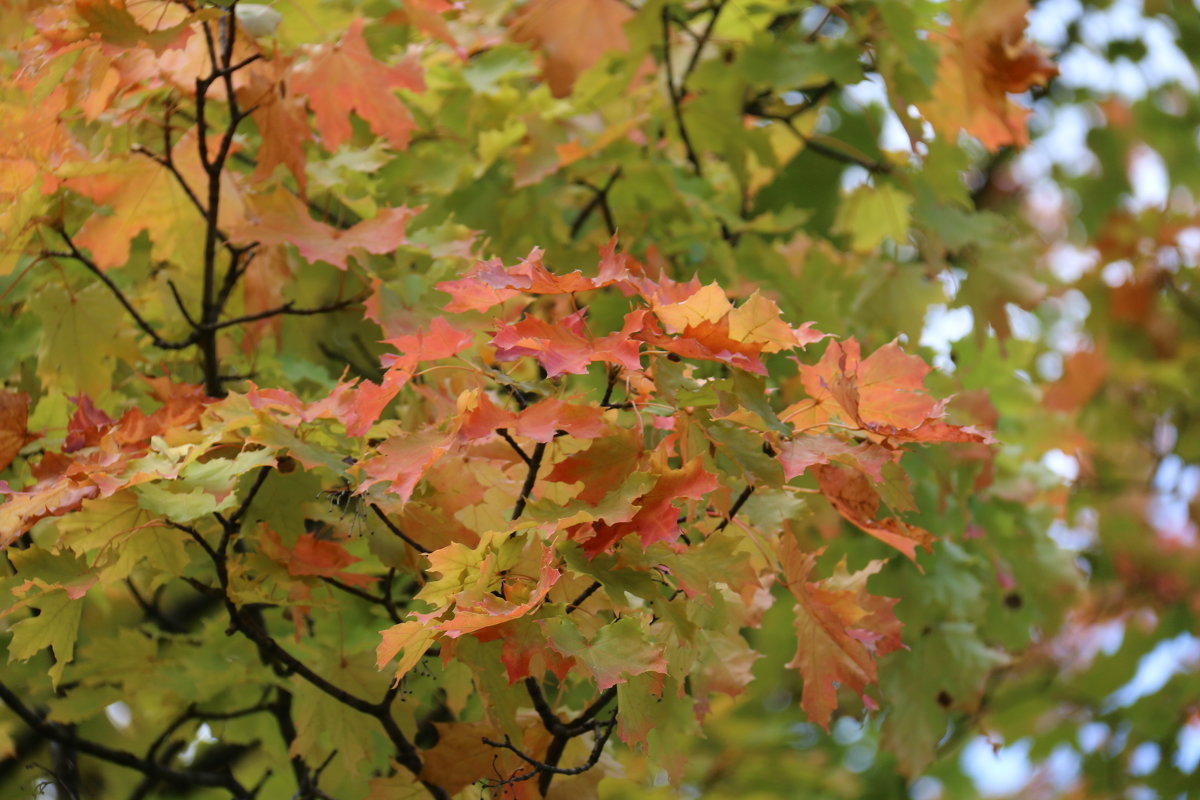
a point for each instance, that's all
(871, 214)
(56, 626)
(81, 342)
(946, 669)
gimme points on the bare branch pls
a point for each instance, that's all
(736, 507)
(57, 733)
(513, 444)
(287, 309)
(138, 319)
(535, 464)
(396, 530)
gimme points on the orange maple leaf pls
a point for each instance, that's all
(571, 35)
(984, 58)
(840, 629)
(14, 413)
(282, 218)
(281, 120)
(852, 495)
(345, 77)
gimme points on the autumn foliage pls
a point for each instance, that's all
(435, 399)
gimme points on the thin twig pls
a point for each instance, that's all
(138, 319)
(599, 200)
(396, 530)
(736, 507)
(535, 464)
(287, 309)
(513, 444)
(182, 306)
(56, 733)
(584, 595)
(676, 94)
(602, 731)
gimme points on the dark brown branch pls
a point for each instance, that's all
(513, 444)
(195, 534)
(535, 464)
(239, 263)
(56, 733)
(396, 530)
(736, 507)
(550, 721)
(138, 319)
(700, 44)
(583, 596)
(182, 306)
(151, 611)
(364, 595)
(274, 655)
(581, 723)
(599, 200)
(602, 732)
(844, 157)
(168, 163)
(388, 601)
(287, 309)
(235, 518)
(676, 94)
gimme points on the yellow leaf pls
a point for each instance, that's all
(707, 305)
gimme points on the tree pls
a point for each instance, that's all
(417, 399)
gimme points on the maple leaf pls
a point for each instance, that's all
(849, 492)
(984, 58)
(601, 467)
(87, 425)
(46, 498)
(887, 388)
(14, 413)
(489, 283)
(797, 455)
(883, 394)
(708, 341)
(709, 304)
(542, 421)
(282, 218)
(402, 462)
(111, 21)
(619, 650)
(460, 756)
(479, 417)
(82, 339)
(476, 612)
(143, 196)
(366, 402)
(759, 320)
(56, 626)
(410, 640)
(340, 78)
(657, 517)
(281, 119)
(840, 629)
(428, 15)
(524, 651)
(312, 557)
(559, 348)
(263, 284)
(571, 35)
